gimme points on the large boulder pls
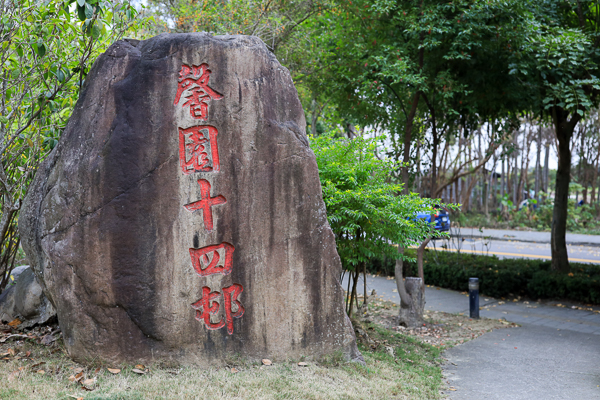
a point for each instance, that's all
(24, 300)
(180, 217)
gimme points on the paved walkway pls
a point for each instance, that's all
(555, 354)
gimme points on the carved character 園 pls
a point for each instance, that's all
(205, 266)
(193, 146)
(208, 305)
(205, 203)
(195, 79)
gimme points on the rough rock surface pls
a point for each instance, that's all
(24, 300)
(183, 196)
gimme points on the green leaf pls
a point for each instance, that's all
(41, 49)
(89, 11)
(81, 13)
(3, 119)
(81, 3)
(97, 29)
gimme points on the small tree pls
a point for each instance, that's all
(47, 49)
(364, 208)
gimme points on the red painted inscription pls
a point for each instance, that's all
(205, 266)
(230, 294)
(205, 203)
(208, 309)
(208, 305)
(195, 79)
(193, 146)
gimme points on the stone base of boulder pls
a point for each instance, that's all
(25, 301)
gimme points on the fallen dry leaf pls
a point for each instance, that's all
(47, 340)
(89, 382)
(86, 388)
(302, 364)
(140, 366)
(11, 352)
(38, 364)
(97, 370)
(235, 371)
(77, 370)
(138, 371)
(72, 378)
(27, 354)
(79, 376)
(41, 372)
(266, 361)
(14, 323)
(113, 370)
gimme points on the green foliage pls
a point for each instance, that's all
(46, 51)
(558, 58)
(364, 208)
(511, 277)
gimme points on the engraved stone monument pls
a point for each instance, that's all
(180, 216)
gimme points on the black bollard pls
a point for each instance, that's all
(474, 298)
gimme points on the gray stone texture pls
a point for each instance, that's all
(110, 239)
(24, 300)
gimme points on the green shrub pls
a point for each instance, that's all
(507, 277)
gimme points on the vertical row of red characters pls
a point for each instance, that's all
(199, 152)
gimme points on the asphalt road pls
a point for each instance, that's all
(518, 244)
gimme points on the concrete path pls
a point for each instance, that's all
(555, 354)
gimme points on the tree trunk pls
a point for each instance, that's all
(412, 316)
(538, 162)
(563, 129)
(353, 295)
(412, 297)
(314, 117)
(407, 140)
(547, 169)
(515, 180)
(420, 254)
(365, 285)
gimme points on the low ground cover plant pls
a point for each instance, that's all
(510, 277)
(501, 278)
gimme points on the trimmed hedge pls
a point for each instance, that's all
(509, 277)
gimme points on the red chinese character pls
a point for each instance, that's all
(193, 146)
(196, 78)
(230, 295)
(205, 266)
(204, 309)
(204, 304)
(205, 203)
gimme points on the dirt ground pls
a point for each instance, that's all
(440, 329)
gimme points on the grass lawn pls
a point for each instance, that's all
(400, 364)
